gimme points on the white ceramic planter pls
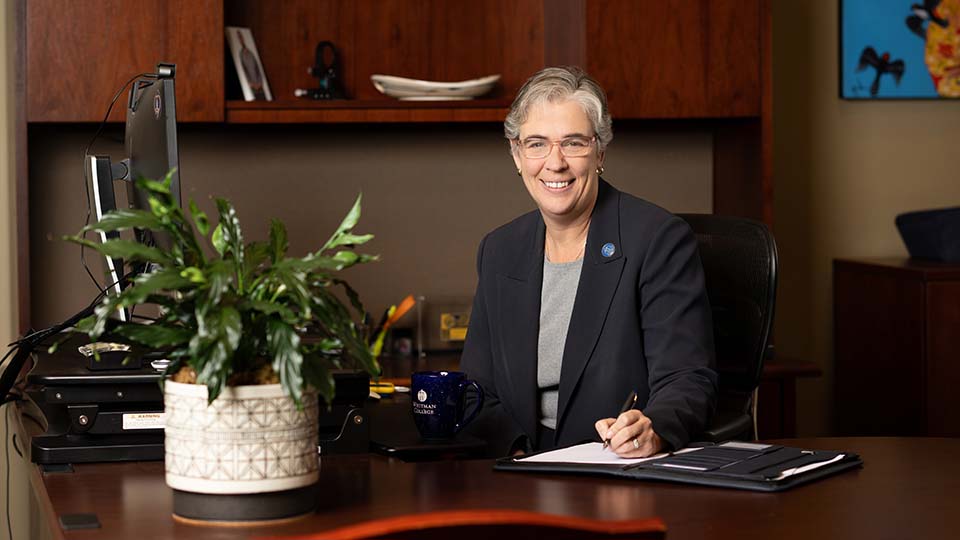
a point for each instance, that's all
(251, 439)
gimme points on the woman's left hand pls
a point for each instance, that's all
(631, 435)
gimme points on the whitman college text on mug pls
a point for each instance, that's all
(439, 402)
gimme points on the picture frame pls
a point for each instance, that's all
(246, 60)
(891, 49)
(442, 323)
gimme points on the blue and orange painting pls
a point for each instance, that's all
(897, 49)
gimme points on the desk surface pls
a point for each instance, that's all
(907, 489)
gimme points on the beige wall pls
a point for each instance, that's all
(8, 319)
(16, 477)
(430, 194)
(843, 171)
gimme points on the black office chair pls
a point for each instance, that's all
(739, 259)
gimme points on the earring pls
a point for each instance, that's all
(519, 173)
(600, 170)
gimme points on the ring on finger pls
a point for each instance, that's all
(636, 444)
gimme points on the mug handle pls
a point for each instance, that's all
(463, 422)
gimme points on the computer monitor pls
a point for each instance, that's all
(151, 152)
(151, 140)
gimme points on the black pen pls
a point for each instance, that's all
(627, 405)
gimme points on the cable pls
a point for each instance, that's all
(38, 335)
(6, 447)
(86, 152)
(24, 346)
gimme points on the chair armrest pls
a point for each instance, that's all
(729, 426)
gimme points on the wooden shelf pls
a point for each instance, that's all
(363, 110)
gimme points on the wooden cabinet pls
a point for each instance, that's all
(443, 40)
(676, 59)
(656, 59)
(897, 344)
(79, 53)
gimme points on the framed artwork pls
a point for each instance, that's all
(899, 49)
(246, 58)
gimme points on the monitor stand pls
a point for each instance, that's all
(104, 415)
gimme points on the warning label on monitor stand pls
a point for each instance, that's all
(143, 421)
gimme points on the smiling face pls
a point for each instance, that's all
(564, 188)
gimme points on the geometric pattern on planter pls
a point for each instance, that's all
(257, 442)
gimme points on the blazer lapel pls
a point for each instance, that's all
(519, 315)
(599, 279)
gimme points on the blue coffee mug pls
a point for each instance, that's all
(439, 402)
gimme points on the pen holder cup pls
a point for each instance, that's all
(440, 401)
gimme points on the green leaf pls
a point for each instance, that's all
(317, 375)
(125, 219)
(218, 336)
(351, 295)
(330, 345)
(295, 287)
(284, 345)
(158, 208)
(278, 240)
(193, 274)
(335, 319)
(219, 278)
(144, 285)
(199, 218)
(311, 263)
(255, 253)
(232, 238)
(102, 313)
(230, 230)
(348, 258)
(127, 249)
(155, 335)
(218, 241)
(85, 324)
(314, 262)
(91, 325)
(157, 186)
(349, 239)
(269, 308)
(348, 223)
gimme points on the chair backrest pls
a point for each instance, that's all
(739, 258)
(490, 523)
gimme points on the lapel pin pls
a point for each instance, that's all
(608, 250)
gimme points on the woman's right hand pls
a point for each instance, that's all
(630, 435)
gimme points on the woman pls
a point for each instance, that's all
(594, 295)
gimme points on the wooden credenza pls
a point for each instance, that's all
(897, 347)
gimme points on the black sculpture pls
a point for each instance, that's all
(328, 75)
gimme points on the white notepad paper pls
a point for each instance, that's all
(590, 454)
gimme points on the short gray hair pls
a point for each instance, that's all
(554, 84)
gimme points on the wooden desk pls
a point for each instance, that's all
(908, 489)
(896, 339)
(777, 396)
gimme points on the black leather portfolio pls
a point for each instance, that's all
(750, 466)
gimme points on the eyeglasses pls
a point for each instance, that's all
(539, 148)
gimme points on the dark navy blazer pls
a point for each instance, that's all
(641, 321)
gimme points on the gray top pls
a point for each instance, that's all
(559, 290)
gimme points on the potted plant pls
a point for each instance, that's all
(241, 390)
